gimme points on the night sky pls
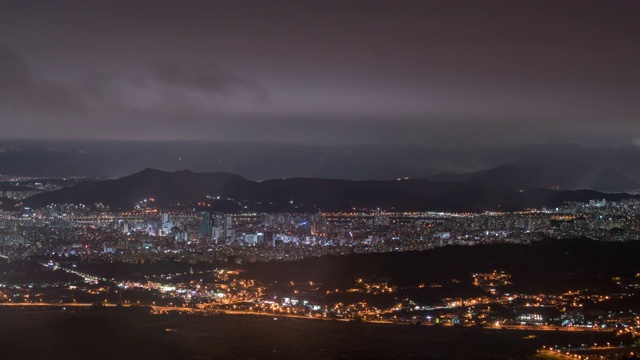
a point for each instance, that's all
(451, 76)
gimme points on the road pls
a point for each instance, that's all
(551, 328)
(164, 309)
(87, 277)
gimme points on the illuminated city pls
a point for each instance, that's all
(204, 262)
(319, 179)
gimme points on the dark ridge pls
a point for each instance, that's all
(548, 264)
(7, 204)
(558, 174)
(305, 194)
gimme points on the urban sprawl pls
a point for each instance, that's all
(69, 239)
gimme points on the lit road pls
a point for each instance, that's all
(42, 304)
(550, 328)
(165, 309)
(595, 352)
(87, 278)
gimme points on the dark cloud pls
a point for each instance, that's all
(449, 74)
(175, 90)
(21, 94)
(206, 77)
(14, 71)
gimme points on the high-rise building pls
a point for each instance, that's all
(217, 233)
(204, 224)
(268, 238)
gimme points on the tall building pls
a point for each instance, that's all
(217, 233)
(228, 222)
(204, 224)
(268, 238)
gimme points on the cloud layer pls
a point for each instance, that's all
(429, 73)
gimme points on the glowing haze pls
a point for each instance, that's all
(436, 74)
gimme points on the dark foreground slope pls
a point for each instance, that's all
(116, 334)
(550, 267)
(236, 193)
(541, 266)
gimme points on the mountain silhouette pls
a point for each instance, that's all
(230, 192)
(556, 174)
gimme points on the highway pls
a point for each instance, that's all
(550, 328)
(164, 309)
(87, 278)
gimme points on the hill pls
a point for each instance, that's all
(556, 174)
(567, 264)
(229, 192)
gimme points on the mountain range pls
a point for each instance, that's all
(230, 192)
(562, 175)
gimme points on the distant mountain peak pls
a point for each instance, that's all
(150, 171)
(510, 167)
(312, 194)
(555, 174)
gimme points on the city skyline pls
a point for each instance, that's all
(319, 179)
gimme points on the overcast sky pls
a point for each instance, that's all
(436, 73)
